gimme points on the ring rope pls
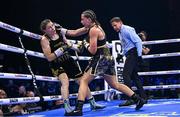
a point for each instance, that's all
(33, 77)
(161, 41)
(159, 72)
(58, 97)
(54, 79)
(21, 51)
(37, 99)
(18, 30)
(174, 86)
(29, 77)
(36, 36)
(41, 55)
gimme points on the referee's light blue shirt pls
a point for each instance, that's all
(129, 39)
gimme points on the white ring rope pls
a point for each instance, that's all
(49, 78)
(161, 41)
(41, 55)
(174, 86)
(161, 55)
(18, 30)
(159, 72)
(29, 77)
(21, 51)
(36, 36)
(58, 97)
(37, 99)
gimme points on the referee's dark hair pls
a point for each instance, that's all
(115, 19)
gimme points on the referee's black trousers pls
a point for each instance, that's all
(130, 72)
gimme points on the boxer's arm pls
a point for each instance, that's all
(93, 36)
(74, 33)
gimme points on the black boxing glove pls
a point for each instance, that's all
(77, 47)
(60, 29)
(57, 26)
(65, 47)
(80, 46)
(85, 44)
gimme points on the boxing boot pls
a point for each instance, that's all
(94, 105)
(138, 101)
(67, 106)
(127, 103)
(78, 109)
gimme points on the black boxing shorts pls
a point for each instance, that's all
(101, 65)
(66, 64)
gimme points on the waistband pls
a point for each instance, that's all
(132, 50)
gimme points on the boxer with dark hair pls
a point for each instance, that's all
(55, 47)
(101, 63)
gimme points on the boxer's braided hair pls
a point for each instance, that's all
(90, 14)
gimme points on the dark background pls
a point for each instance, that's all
(159, 18)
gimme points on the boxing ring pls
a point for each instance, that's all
(153, 108)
